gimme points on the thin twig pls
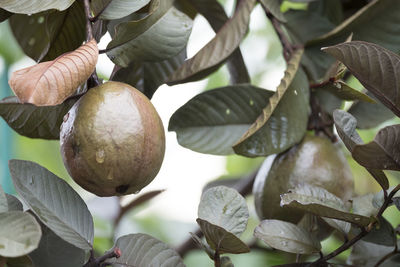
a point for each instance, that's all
(364, 231)
(217, 259)
(387, 256)
(100, 261)
(89, 29)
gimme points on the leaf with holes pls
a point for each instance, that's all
(319, 201)
(377, 68)
(32, 121)
(383, 152)
(224, 207)
(220, 239)
(213, 121)
(287, 237)
(216, 16)
(211, 56)
(346, 127)
(281, 124)
(50, 83)
(34, 6)
(116, 9)
(55, 203)
(160, 35)
(19, 233)
(144, 250)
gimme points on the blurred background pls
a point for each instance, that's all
(172, 215)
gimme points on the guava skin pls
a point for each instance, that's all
(315, 161)
(112, 140)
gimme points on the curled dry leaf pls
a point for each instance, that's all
(50, 83)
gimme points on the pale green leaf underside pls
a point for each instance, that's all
(287, 237)
(157, 37)
(19, 233)
(224, 207)
(144, 250)
(116, 9)
(34, 6)
(213, 121)
(55, 203)
(218, 238)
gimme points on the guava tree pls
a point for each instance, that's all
(112, 140)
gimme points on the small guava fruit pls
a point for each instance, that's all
(112, 140)
(316, 161)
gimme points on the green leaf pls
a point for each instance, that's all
(55, 203)
(372, 23)
(226, 262)
(148, 76)
(34, 6)
(319, 201)
(368, 254)
(375, 67)
(382, 234)
(370, 115)
(116, 9)
(3, 201)
(341, 226)
(54, 251)
(381, 153)
(287, 237)
(345, 92)
(216, 16)
(220, 239)
(363, 205)
(4, 15)
(211, 56)
(47, 35)
(19, 233)
(13, 203)
(327, 101)
(274, 7)
(281, 124)
(159, 36)
(23, 261)
(224, 207)
(33, 121)
(213, 121)
(346, 127)
(144, 250)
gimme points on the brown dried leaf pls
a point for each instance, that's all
(50, 83)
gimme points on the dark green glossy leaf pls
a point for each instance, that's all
(287, 237)
(274, 6)
(3, 201)
(160, 35)
(375, 67)
(215, 14)
(372, 23)
(346, 127)
(13, 203)
(220, 239)
(368, 254)
(45, 36)
(54, 251)
(148, 76)
(224, 207)
(115, 9)
(284, 124)
(345, 92)
(383, 152)
(4, 14)
(382, 234)
(23, 261)
(19, 233)
(318, 201)
(218, 49)
(144, 250)
(396, 201)
(55, 203)
(34, 6)
(370, 115)
(213, 121)
(32, 121)
(327, 101)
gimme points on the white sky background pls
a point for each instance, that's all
(184, 172)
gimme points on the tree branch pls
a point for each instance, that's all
(89, 29)
(364, 231)
(387, 256)
(100, 261)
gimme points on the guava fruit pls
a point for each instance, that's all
(112, 140)
(316, 161)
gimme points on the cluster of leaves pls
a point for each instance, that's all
(148, 47)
